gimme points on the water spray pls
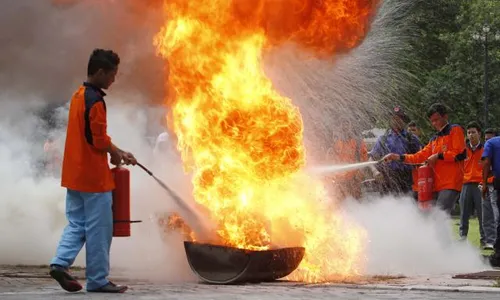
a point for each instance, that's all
(202, 227)
(331, 169)
(343, 168)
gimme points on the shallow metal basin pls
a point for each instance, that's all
(226, 265)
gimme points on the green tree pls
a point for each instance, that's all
(449, 63)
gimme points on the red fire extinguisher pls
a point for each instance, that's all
(121, 202)
(425, 186)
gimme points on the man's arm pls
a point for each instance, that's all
(377, 151)
(98, 127)
(100, 138)
(375, 154)
(419, 157)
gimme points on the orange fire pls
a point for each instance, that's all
(241, 139)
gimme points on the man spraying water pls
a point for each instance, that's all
(446, 153)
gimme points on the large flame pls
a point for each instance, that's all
(240, 138)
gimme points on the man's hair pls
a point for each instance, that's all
(474, 125)
(412, 124)
(437, 108)
(102, 59)
(491, 131)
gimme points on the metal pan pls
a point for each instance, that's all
(227, 265)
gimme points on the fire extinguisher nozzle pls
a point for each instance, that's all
(145, 169)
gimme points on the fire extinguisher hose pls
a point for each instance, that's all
(178, 200)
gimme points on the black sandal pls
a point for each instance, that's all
(65, 280)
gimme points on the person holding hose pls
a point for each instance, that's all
(89, 182)
(446, 153)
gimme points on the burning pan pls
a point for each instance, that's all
(226, 265)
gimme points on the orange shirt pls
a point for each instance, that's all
(473, 167)
(414, 176)
(85, 163)
(449, 144)
(347, 152)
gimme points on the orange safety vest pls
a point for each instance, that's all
(85, 163)
(449, 144)
(473, 167)
(348, 152)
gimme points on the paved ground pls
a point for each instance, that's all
(32, 283)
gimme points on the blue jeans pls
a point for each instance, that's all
(90, 222)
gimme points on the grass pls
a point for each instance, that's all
(473, 236)
(496, 283)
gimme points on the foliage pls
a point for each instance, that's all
(449, 63)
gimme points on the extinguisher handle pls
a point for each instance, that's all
(145, 169)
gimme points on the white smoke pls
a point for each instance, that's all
(405, 241)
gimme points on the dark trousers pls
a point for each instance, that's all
(470, 199)
(396, 181)
(497, 242)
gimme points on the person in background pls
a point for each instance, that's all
(413, 128)
(89, 182)
(470, 196)
(396, 177)
(445, 153)
(490, 213)
(491, 163)
(52, 157)
(162, 144)
(348, 147)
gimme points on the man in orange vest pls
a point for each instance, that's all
(470, 196)
(89, 181)
(348, 148)
(53, 157)
(446, 153)
(413, 128)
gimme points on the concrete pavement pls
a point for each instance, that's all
(21, 282)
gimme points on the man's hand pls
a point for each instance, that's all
(116, 158)
(128, 158)
(432, 159)
(391, 157)
(484, 191)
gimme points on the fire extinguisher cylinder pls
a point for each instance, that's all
(121, 202)
(425, 184)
